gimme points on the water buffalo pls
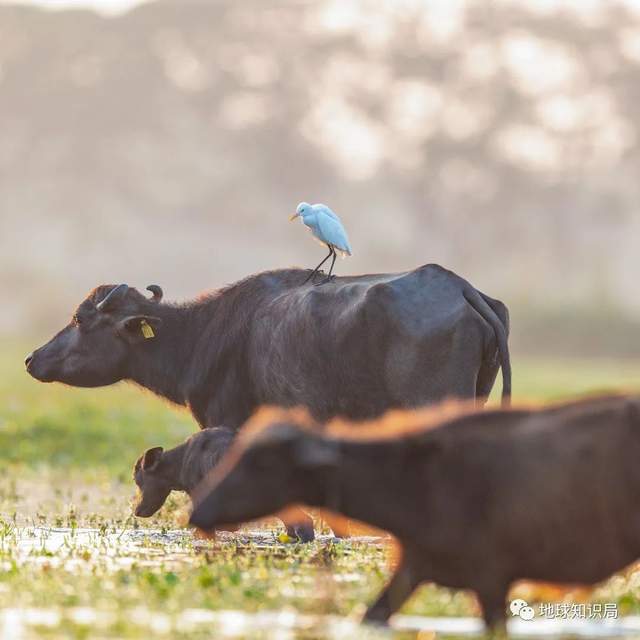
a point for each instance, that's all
(477, 501)
(158, 472)
(354, 347)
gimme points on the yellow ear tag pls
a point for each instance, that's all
(147, 330)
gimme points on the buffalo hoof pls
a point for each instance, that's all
(302, 532)
(376, 616)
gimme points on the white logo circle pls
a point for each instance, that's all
(520, 608)
(527, 613)
(516, 606)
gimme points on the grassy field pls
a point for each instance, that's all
(75, 563)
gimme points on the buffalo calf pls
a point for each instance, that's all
(158, 472)
(477, 500)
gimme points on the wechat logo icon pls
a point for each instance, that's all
(520, 609)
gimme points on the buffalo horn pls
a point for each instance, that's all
(114, 295)
(156, 291)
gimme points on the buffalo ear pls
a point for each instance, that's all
(312, 453)
(151, 458)
(139, 328)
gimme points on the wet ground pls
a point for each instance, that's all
(75, 563)
(108, 551)
(22, 623)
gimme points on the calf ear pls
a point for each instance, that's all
(151, 458)
(139, 328)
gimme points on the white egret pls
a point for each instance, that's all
(327, 228)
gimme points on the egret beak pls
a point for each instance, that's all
(294, 216)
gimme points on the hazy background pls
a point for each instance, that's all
(170, 142)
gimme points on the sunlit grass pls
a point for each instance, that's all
(548, 380)
(67, 455)
(56, 426)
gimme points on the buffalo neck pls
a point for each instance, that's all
(373, 483)
(161, 364)
(199, 357)
(173, 463)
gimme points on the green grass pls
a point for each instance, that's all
(62, 427)
(66, 456)
(546, 380)
(55, 426)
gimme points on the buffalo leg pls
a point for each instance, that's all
(301, 527)
(313, 273)
(395, 594)
(493, 602)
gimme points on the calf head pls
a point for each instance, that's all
(96, 347)
(281, 465)
(154, 481)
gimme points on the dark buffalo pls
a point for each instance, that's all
(476, 501)
(355, 347)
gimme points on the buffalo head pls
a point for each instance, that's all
(95, 349)
(154, 483)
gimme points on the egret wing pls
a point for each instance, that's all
(333, 232)
(322, 208)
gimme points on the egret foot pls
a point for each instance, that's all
(317, 269)
(327, 279)
(312, 276)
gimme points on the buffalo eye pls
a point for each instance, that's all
(77, 320)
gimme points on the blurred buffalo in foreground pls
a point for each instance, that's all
(356, 346)
(477, 500)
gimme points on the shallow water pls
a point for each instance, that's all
(80, 549)
(16, 624)
(59, 545)
(20, 624)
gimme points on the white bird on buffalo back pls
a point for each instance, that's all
(327, 228)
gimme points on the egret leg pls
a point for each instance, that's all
(335, 255)
(333, 261)
(313, 273)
